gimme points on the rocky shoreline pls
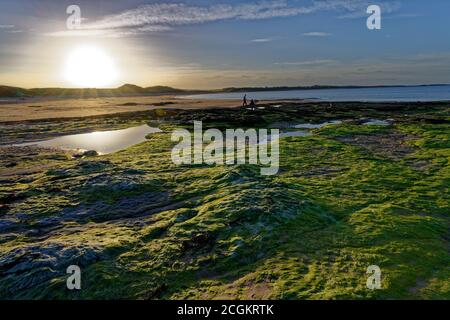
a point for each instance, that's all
(140, 227)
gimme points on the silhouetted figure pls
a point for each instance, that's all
(252, 105)
(244, 101)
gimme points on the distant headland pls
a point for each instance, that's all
(134, 90)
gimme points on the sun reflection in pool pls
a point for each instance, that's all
(101, 141)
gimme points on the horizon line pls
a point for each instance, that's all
(232, 87)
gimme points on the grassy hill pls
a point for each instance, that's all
(125, 90)
(7, 91)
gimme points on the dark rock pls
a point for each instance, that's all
(99, 211)
(90, 153)
(3, 208)
(112, 182)
(199, 240)
(28, 266)
(6, 225)
(58, 173)
(92, 166)
(157, 291)
(11, 197)
(11, 164)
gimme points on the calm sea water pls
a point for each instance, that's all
(422, 93)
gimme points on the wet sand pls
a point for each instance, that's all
(50, 108)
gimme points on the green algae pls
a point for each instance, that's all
(343, 199)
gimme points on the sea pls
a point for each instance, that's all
(375, 94)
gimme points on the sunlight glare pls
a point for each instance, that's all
(90, 67)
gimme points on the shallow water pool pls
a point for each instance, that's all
(101, 141)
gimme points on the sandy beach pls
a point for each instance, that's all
(50, 108)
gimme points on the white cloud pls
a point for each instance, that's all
(317, 34)
(113, 33)
(10, 28)
(182, 14)
(79, 33)
(262, 40)
(357, 8)
(164, 16)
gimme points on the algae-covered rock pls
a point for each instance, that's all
(90, 153)
(32, 265)
(346, 197)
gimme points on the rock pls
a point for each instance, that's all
(88, 166)
(28, 266)
(199, 240)
(11, 164)
(90, 153)
(58, 173)
(7, 224)
(3, 208)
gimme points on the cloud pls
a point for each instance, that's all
(357, 9)
(164, 16)
(182, 14)
(305, 63)
(317, 34)
(112, 33)
(79, 33)
(262, 40)
(394, 70)
(10, 28)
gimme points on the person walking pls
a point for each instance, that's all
(244, 100)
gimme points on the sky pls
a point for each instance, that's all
(206, 44)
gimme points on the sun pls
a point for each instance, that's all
(89, 66)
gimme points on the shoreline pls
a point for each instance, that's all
(59, 121)
(42, 109)
(57, 108)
